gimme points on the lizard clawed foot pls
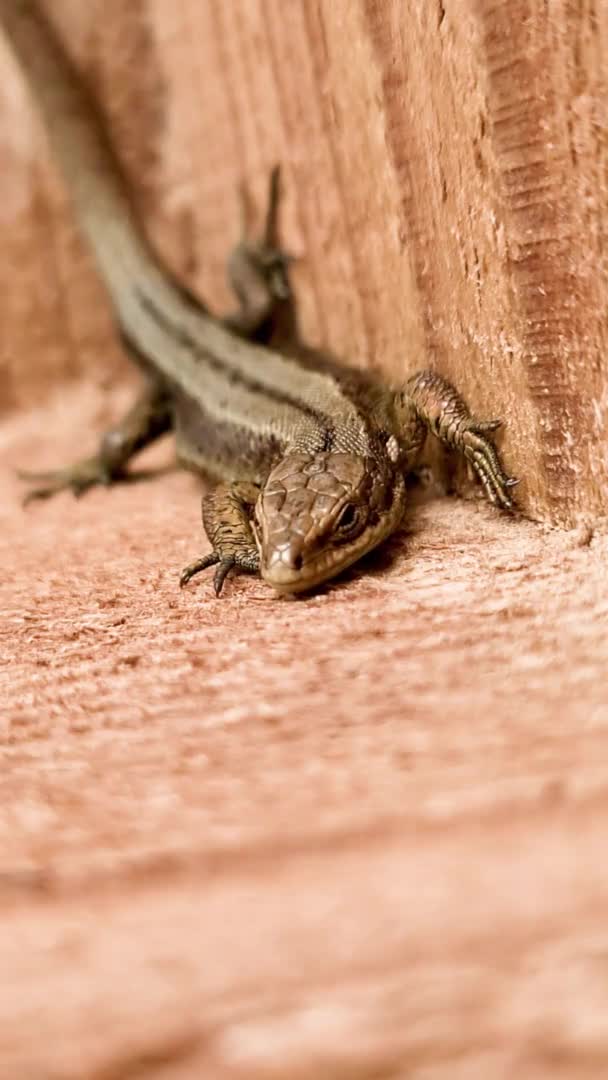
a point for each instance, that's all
(444, 412)
(482, 455)
(77, 478)
(226, 519)
(264, 255)
(273, 258)
(243, 564)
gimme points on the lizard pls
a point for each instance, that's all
(309, 456)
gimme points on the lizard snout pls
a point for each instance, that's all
(282, 564)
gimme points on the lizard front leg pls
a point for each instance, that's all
(430, 402)
(227, 513)
(148, 418)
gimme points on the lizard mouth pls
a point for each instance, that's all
(303, 577)
(294, 575)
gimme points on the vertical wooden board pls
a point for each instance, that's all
(198, 148)
(433, 109)
(381, 325)
(445, 184)
(237, 134)
(543, 66)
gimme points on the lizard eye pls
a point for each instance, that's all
(347, 519)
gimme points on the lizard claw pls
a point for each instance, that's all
(223, 563)
(485, 427)
(224, 566)
(211, 559)
(482, 455)
(223, 569)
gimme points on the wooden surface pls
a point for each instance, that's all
(445, 177)
(356, 837)
(360, 836)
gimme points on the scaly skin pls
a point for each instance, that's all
(310, 455)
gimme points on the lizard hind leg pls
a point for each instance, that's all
(444, 412)
(258, 272)
(227, 512)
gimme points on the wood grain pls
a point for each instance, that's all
(361, 836)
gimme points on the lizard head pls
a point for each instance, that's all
(318, 513)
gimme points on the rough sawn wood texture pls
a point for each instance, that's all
(354, 837)
(360, 836)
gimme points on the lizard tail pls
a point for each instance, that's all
(90, 167)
